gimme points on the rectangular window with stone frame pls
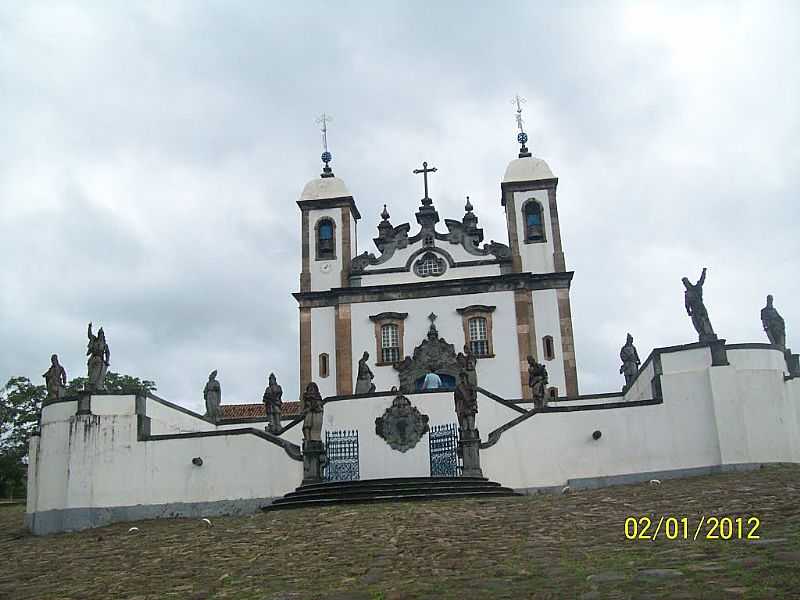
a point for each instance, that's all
(389, 329)
(477, 324)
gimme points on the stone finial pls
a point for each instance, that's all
(470, 221)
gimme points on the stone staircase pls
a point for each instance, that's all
(390, 490)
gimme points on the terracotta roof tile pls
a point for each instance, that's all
(255, 411)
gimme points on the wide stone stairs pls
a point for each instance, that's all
(390, 490)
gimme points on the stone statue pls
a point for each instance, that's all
(98, 362)
(469, 366)
(213, 396)
(365, 376)
(697, 310)
(773, 324)
(311, 405)
(274, 404)
(630, 361)
(55, 379)
(466, 401)
(537, 380)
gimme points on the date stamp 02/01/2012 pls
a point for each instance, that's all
(686, 528)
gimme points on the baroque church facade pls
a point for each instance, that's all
(434, 288)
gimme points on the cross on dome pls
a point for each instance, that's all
(323, 120)
(522, 137)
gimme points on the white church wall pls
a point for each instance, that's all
(163, 418)
(545, 316)
(498, 375)
(642, 388)
(325, 274)
(323, 328)
(538, 257)
(411, 277)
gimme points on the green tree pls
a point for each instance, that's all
(116, 384)
(20, 402)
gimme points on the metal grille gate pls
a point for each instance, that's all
(342, 450)
(443, 440)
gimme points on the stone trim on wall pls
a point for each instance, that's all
(347, 253)
(558, 251)
(526, 336)
(326, 203)
(305, 274)
(513, 237)
(567, 342)
(435, 288)
(344, 350)
(305, 349)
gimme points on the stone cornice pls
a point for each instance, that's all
(526, 186)
(323, 203)
(434, 288)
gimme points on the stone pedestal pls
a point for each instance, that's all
(314, 460)
(470, 453)
(792, 363)
(84, 403)
(719, 356)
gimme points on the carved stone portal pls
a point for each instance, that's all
(433, 352)
(402, 425)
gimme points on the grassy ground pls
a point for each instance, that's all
(566, 546)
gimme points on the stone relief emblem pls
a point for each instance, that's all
(402, 425)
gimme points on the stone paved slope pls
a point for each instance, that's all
(565, 546)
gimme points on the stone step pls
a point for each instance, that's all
(387, 497)
(397, 491)
(389, 480)
(375, 485)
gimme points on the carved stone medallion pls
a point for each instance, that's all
(402, 425)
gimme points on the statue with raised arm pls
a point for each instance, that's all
(697, 310)
(273, 402)
(630, 361)
(774, 325)
(212, 394)
(537, 380)
(55, 379)
(465, 397)
(312, 407)
(99, 360)
(365, 376)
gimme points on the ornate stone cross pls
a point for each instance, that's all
(425, 170)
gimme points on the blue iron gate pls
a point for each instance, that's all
(342, 450)
(443, 440)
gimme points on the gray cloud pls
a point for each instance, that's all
(152, 157)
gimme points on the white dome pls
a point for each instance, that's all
(323, 188)
(527, 169)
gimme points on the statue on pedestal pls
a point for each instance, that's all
(99, 357)
(273, 403)
(693, 299)
(537, 380)
(630, 361)
(469, 366)
(212, 394)
(466, 401)
(55, 379)
(365, 376)
(774, 325)
(312, 407)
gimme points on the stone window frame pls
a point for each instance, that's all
(440, 261)
(551, 355)
(388, 318)
(478, 310)
(525, 205)
(324, 360)
(317, 225)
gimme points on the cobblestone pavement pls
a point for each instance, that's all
(545, 546)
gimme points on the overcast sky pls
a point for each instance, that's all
(152, 153)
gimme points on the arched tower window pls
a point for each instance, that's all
(549, 348)
(553, 393)
(324, 369)
(326, 239)
(534, 221)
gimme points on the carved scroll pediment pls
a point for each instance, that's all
(432, 352)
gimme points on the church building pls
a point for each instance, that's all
(504, 301)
